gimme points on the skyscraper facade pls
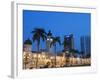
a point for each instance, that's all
(85, 43)
(69, 42)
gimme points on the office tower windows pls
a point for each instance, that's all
(85, 45)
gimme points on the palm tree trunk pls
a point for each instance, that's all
(55, 55)
(37, 55)
(38, 48)
(37, 61)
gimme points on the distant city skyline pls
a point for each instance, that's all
(60, 24)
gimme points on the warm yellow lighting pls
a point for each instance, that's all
(24, 57)
(34, 55)
(43, 56)
(39, 56)
(29, 54)
(28, 57)
(51, 57)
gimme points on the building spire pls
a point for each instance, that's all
(49, 33)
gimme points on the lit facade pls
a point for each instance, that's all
(34, 59)
(43, 59)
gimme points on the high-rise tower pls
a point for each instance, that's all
(68, 42)
(85, 45)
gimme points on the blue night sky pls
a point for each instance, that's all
(60, 24)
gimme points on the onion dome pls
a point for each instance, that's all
(28, 41)
(49, 33)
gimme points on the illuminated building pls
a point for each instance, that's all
(27, 48)
(46, 60)
(48, 42)
(27, 45)
(69, 42)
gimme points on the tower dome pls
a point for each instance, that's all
(28, 41)
(49, 33)
(28, 45)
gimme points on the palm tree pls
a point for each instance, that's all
(38, 34)
(55, 40)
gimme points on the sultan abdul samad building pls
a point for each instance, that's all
(45, 58)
